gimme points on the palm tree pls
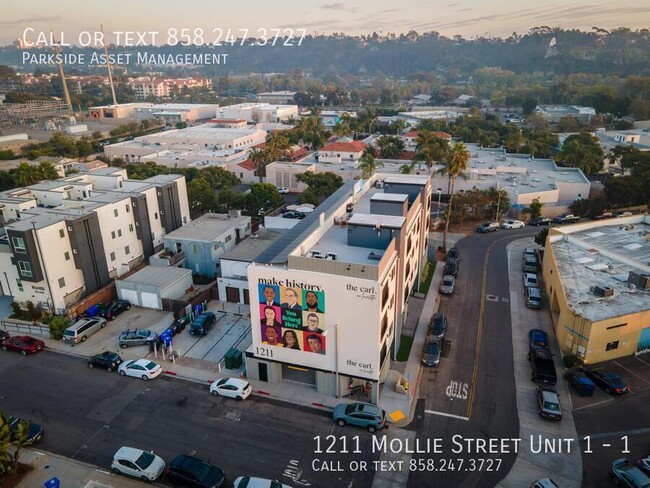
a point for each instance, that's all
(258, 156)
(455, 166)
(515, 140)
(406, 169)
(430, 148)
(311, 132)
(368, 165)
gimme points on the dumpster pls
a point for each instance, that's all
(583, 385)
(233, 359)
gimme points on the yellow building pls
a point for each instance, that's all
(597, 277)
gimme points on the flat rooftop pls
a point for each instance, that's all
(208, 227)
(603, 254)
(158, 275)
(254, 245)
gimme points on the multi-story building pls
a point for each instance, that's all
(258, 112)
(67, 238)
(342, 149)
(146, 86)
(284, 97)
(554, 113)
(597, 279)
(330, 297)
(169, 112)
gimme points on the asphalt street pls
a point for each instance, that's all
(472, 392)
(89, 414)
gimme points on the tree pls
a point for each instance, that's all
(540, 238)
(259, 158)
(368, 165)
(322, 184)
(535, 208)
(201, 197)
(568, 124)
(582, 151)
(515, 140)
(262, 196)
(390, 146)
(311, 132)
(430, 148)
(406, 169)
(455, 165)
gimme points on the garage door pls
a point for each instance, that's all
(130, 295)
(150, 300)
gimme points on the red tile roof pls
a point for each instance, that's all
(247, 164)
(354, 146)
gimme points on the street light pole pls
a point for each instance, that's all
(439, 191)
(498, 200)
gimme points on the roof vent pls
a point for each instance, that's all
(640, 280)
(603, 291)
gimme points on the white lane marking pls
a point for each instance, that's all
(604, 435)
(594, 404)
(631, 372)
(444, 414)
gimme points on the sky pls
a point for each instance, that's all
(468, 18)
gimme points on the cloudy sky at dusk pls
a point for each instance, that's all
(468, 18)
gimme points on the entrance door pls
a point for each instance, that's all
(299, 374)
(247, 300)
(263, 371)
(232, 294)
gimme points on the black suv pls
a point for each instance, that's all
(107, 360)
(454, 253)
(438, 326)
(191, 471)
(537, 221)
(203, 323)
(451, 267)
(115, 308)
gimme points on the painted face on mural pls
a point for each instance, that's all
(312, 321)
(269, 294)
(315, 344)
(269, 313)
(271, 336)
(292, 298)
(290, 339)
(312, 299)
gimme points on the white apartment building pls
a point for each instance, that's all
(284, 97)
(553, 113)
(169, 112)
(328, 299)
(146, 86)
(258, 112)
(67, 238)
(343, 149)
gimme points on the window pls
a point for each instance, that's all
(112, 256)
(61, 282)
(185, 220)
(25, 268)
(384, 325)
(130, 227)
(195, 249)
(20, 285)
(113, 234)
(61, 233)
(119, 232)
(115, 212)
(67, 256)
(611, 346)
(155, 215)
(228, 238)
(127, 250)
(19, 244)
(128, 209)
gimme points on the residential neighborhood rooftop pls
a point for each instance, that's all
(208, 227)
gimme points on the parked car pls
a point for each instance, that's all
(530, 279)
(530, 253)
(137, 463)
(291, 215)
(566, 218)
(115, 308)
(438, 326)
(583, 385)
(543, 367)
(530, 264)
(249, 482)
(537, 338)
(107, 360)
(82, 329)
(140, 368)
(625, 474)
(451, 268)
(283, 190)
(137, 337)
(488, 227)
(605, 215)
(533, 297)
(3, 334)
(537, 221)
(544, 483)
(431, 353)
(609, 381)
(644, 464)
(548, 403)
(34, 432)
(365, 415)
(512, 224)
(454, 253)
(23, 344)
(203, 323)
(191, 471)
(231, 388)
(447, 285)
(622, 214)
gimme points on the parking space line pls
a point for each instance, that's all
(630, 371)
(444, 414)
(594, 404)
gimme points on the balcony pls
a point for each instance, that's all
(166, 258)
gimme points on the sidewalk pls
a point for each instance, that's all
(564, 468)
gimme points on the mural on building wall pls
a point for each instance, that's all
(292, 317)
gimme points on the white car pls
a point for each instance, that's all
(140, 368)
(137, 463)
(512, 224)
(250, 482)
(232, 388)
(530, 279)
(283, 190)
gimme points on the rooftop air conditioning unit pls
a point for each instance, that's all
(603, 291)
(640, 280)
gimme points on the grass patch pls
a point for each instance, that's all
(404, 348)
(427, 276)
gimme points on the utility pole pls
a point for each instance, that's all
(108, 67)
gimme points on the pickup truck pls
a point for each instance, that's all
(542, 364)
(566, 219)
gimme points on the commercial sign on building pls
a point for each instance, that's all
(299, 316)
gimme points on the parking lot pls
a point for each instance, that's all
(231, 330)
